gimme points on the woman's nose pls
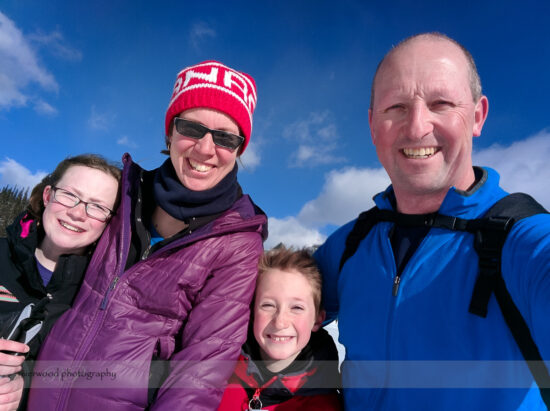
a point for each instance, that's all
(205, 145)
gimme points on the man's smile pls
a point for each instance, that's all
(419, 153)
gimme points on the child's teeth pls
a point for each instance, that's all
(278, 339)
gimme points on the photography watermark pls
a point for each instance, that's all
(356, 374)
(68, 374)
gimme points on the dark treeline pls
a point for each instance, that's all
(13, 201)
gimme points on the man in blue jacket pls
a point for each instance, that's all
(402, 298)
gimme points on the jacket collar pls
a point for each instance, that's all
(24, 235)
(314, 372)
(472, 203)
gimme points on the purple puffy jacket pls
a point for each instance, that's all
(187, 304)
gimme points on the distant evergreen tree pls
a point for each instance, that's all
(12, 202)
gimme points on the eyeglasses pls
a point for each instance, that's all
(197, 131)
(93, 210)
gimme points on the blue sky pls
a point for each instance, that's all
(97, 76)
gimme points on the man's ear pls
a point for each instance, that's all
(370, 126)
(480, 115)
(319, 320)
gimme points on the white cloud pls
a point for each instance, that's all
(251, 157)
(10, 94)
(55, 43)
(291, 232)
(15, 175)
(100, 121)
(316, 139)
(41, 107)
(344, 195)
(125, 141)
(19, 67)
(523, 165)
(199, 32)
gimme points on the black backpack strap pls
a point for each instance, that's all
(524, 339)
(363, 224)
(516, 205)
(490, 237)
(490, 234)
(368, 219)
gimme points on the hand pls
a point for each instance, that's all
(10, 363)
(10, 393)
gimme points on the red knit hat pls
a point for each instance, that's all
(212, 85)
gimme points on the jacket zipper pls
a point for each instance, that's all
(396, 282)
(90, 336)
(391, 311)
(109, 290)
(146, 253)
(255, 403)
(117, 277)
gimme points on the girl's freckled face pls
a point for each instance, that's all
(71, 230)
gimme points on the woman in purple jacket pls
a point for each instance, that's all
(164, 307)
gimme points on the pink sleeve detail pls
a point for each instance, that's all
(25, 226)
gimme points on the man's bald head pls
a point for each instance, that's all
(475, 81)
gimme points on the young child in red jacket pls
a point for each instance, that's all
(288, 362)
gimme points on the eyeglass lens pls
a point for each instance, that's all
(197, 131)
(93, 210)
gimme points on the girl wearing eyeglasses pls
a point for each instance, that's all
(45, 254)
(164, 307)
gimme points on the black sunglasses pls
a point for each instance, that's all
(197, 131)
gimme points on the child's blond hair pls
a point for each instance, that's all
(301, 261)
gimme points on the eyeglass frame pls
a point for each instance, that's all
(215, 133)
(80, 201)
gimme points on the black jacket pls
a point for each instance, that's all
(21, 284)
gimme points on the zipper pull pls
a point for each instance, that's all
(255, 403)
(146, 253)
(111, 288)
(114, 283)
(395, 288)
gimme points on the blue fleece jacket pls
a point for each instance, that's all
(422, 349)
